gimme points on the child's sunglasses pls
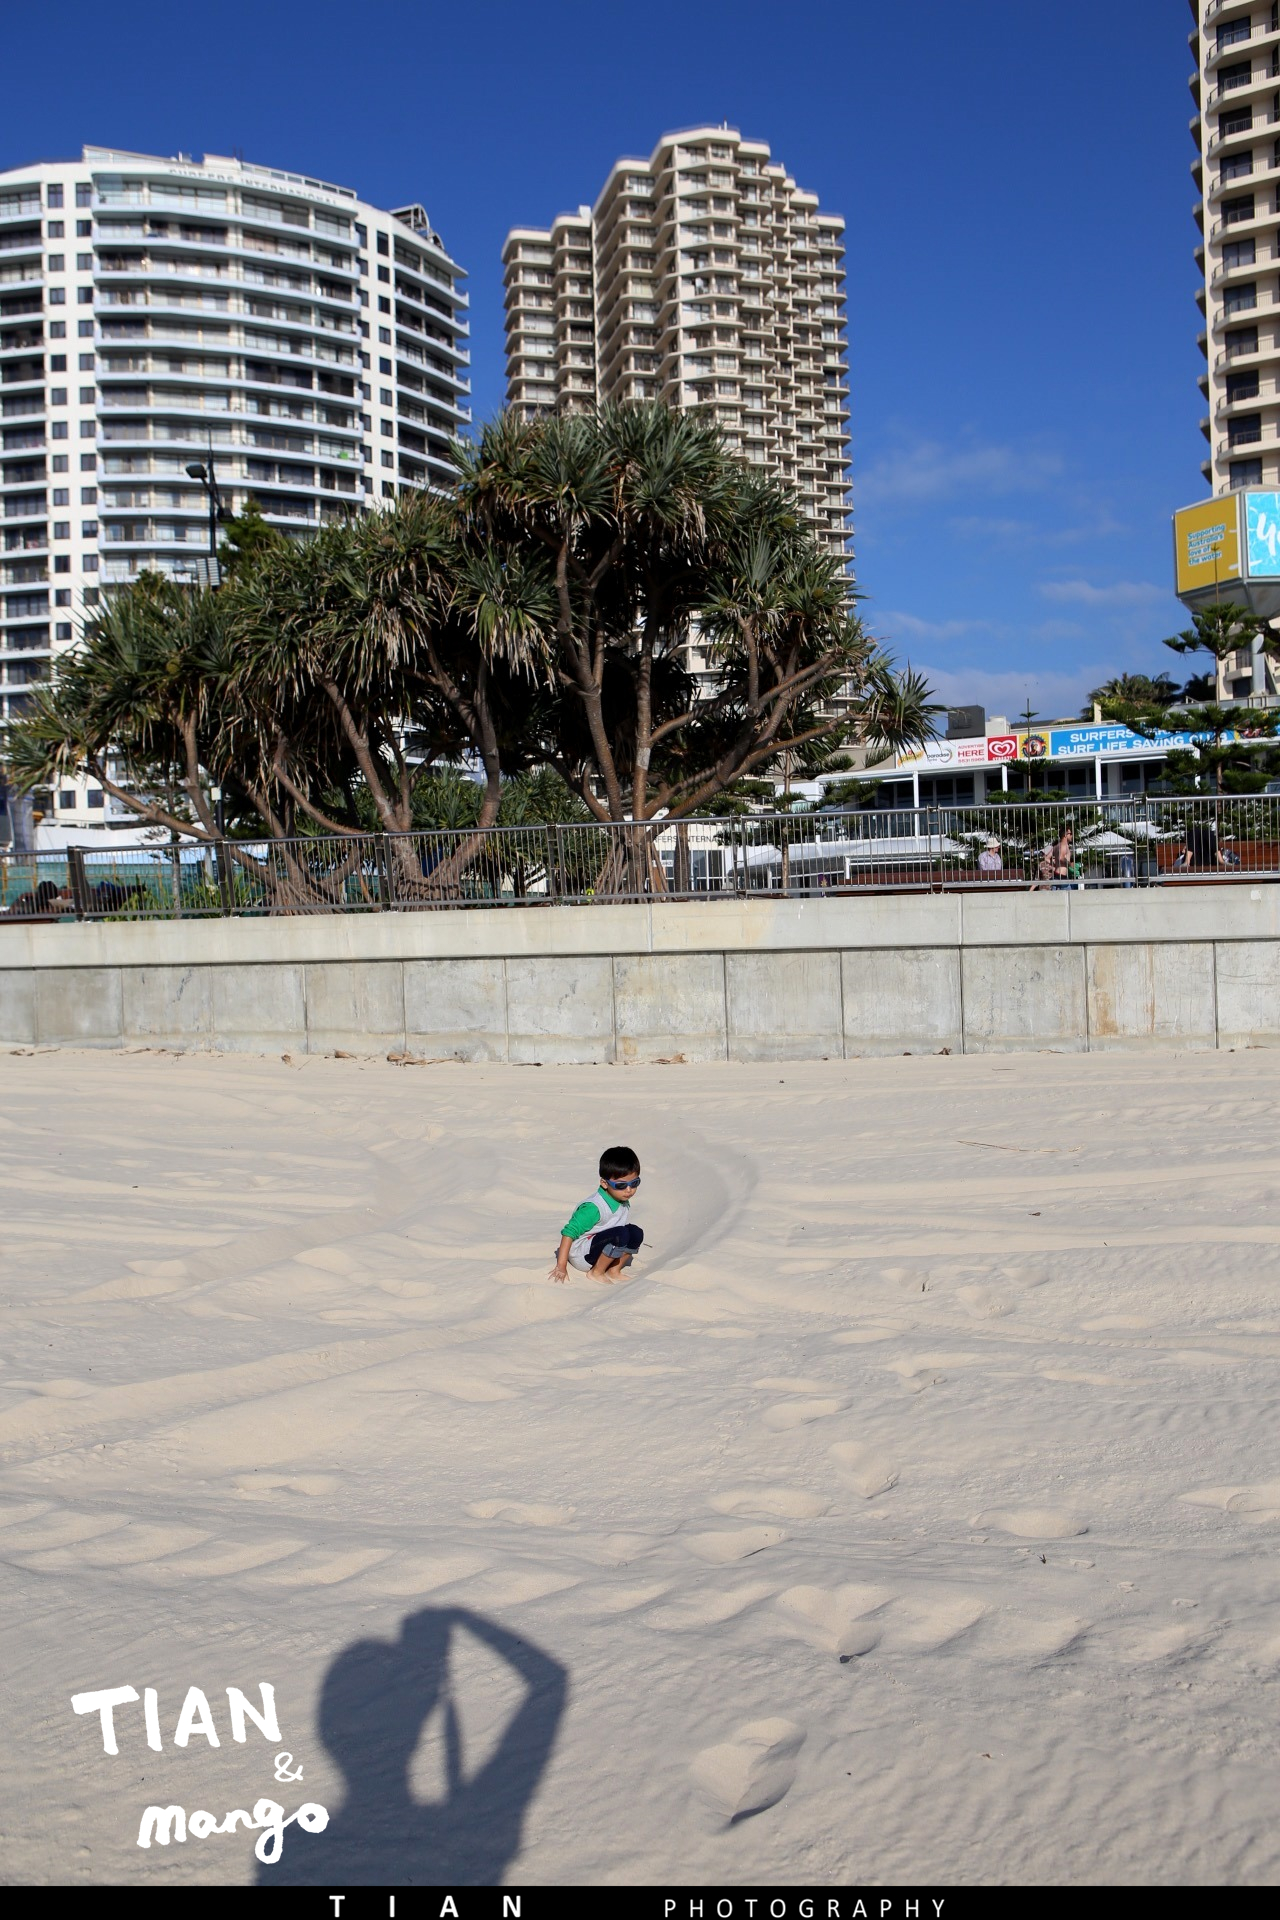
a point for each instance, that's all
(634, 1182)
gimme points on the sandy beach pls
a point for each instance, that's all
(912, 1513)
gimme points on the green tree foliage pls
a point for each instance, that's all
(532, 624)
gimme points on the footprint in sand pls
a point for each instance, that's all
(1033, 1523)
(924, 1623)
(982, 1303)
(835, 1619)
(709, 1608)
(521, 1513)
(781, 1503)
(863, 1469)
(54, 1389)
(751, 1771)
(722, 1549)
(1257, 1505)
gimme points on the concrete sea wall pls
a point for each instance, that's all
(754, 979)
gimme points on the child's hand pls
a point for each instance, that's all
(556, 1272)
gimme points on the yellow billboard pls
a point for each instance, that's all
(1206, 544)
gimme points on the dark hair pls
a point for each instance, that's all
(615, 1161)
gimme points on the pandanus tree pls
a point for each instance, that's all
(655, 539)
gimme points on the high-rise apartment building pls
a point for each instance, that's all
(156, 312)
(704, 277)
(1236, 88)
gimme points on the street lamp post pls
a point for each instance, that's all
(203, 471)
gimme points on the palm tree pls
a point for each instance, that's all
(652, 536)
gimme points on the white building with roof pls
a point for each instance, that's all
(158, 314)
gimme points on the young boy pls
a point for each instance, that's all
(598, 1238)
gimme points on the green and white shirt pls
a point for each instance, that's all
(586, 1220)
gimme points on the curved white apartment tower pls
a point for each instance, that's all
(153, 310)
(1236, 88)
(706, 277)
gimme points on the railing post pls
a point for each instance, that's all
(79, 885)
(226, 887)
(380, 852)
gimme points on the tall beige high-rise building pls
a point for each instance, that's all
(704, 277)
(1236, 88)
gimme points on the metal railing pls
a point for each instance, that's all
(1129, 843)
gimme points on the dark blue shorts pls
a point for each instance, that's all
(627, 1239)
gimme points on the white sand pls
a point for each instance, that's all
(924, 1482)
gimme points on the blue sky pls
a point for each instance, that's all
(1020, 273)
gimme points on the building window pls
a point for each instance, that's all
(1242, 386)
(57, 329)
(384, 305)
(88, 463)
(61, 497)
(389, 428)
(54, 230)
(89, 529)
(91, 563)
(88, 496)
(1241, 299)
(384, 338)
(382, 243)
(61, 464)
(384, 366)
(58, 430)
(1238, 209)
(83, 229)
(388, 460)
(86, 366)
(57, 296)
(91, 596)
(86, 393)
(1242, 340)
(384, 273)
(1244, 430)
(96, 798)
(88, 428)
(66, 796)
(1245, 473)
(84, 194)
(54, 197)
(84, 263)
(63, 630)
(1239, 253)
(62, 597)
(85, 329)
(85, 296)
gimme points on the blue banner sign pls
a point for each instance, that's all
(1081, 743)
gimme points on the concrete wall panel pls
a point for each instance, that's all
(1149, 994)
(357, 1007)
(456, 1009)
(903, 1002)
(1248, 980)
(783, 1006)
(259, 1009)
(560, 1011)
(170, 1006)
(1024, 997)
(79, 1006)
(671, 1003)
(18, 1006)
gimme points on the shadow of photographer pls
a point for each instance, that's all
(377, 1697)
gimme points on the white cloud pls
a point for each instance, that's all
(1120, 593)
(930, 470)
(1053, 695)
(898, 625)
